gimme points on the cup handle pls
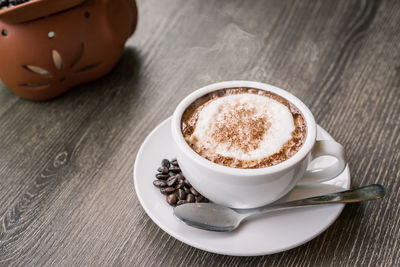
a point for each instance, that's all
(325, 148)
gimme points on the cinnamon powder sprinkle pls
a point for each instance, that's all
(241, 128)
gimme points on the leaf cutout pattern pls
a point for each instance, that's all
(59, 65)
(57, 59)
(37, 70)
(78, 55)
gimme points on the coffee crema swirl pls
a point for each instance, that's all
(244, 128)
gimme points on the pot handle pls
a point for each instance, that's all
(121, 18)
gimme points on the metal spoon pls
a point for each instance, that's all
(213, 217)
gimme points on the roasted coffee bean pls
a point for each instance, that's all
(190, 198)
(171, 181)
(202, 199)
(167, 190)
(179, 186)
(162, 176)
(174, 169)
(165, 163)
(187, 182)
(180, 176)
(171, 177)
(181, 202)
(181, 194)
(163, 170)
(186, 189)
(180, 181)
(193, 191)
(199, 199)
(172, 199)
(173, 184)
(160, 183)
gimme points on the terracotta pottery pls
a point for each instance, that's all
(49, 46)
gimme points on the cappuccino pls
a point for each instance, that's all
(244, 128)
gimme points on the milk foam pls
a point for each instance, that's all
(224, 110)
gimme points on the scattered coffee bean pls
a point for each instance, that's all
(172, 199)
(199, 199)
(181, 194)
(186, 189)
(194, 192)
(187, 183)
(167, 190)
(180, 176)
(171, 181)
(180, 181)
(165, 163)
(162, 176)
(163, 170)
(173, 176)
(174, 169)
(180, 202)
(179, 186)
(160, 183)
(190, 198)
(173, 184)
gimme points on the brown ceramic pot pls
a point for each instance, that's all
(49, 46)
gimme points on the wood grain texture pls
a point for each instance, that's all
(66, 192)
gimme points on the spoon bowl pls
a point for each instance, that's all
(208, 216)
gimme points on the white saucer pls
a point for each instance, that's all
(266, 235)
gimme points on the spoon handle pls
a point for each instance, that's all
(369, 192)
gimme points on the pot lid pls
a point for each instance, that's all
(35, 9)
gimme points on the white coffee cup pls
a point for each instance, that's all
(250, 188)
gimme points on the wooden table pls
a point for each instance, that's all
(66, 191)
